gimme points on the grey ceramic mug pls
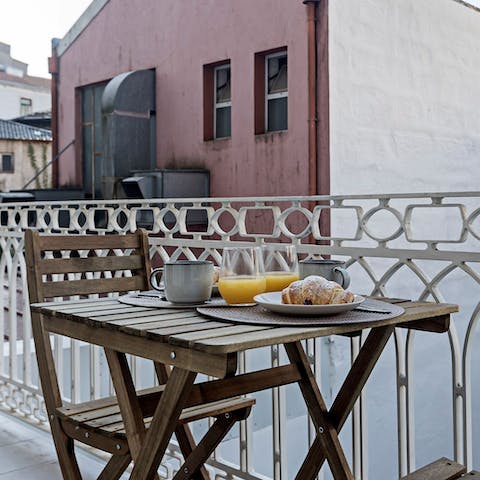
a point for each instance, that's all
(329, 269)
(184, 281)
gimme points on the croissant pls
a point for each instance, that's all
(216, 274)
(315, 290)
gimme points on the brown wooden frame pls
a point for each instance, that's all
(65, 427)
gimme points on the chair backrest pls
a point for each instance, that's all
(70, 265)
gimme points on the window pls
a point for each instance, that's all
(7, 163)
(223, 102)
(25, 106)
(217, 101)
(276, 92)
(271, 91)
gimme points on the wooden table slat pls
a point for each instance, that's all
(153, 317)
(160, 325)
(89, 306)
(108, 313)
(66, 303)
(188, 339)
(194, 327)
(152, 313)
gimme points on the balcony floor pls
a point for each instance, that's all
(27, 452)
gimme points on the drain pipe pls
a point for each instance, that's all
(318, 106)
(53, 70)
(312, 72)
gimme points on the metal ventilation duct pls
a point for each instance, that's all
(128, 111)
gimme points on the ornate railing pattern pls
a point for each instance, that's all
(417, 246)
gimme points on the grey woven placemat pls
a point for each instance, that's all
(258, 315)
(156, 300)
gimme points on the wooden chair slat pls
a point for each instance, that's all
(441, 469)
(87, 287)
(107, 418)
(473, 475)
(90, 264)
(87, 242)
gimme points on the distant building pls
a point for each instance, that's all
(39, 119)
(24, 152)
(20, 93)
(273, 97)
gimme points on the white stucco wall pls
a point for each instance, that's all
(10, 96)
(405, 96)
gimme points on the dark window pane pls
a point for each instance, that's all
(223, 85)
(88, 160)
(7, 163)
(278, 114)
(87, 104)
(223, 125)
(98, 125)
(277, 74)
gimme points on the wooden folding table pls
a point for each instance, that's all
(192, 343)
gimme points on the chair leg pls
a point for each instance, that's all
(115, 467)
(51, 393)
(65, 452)
(209, 442)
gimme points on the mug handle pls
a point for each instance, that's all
(345, 276)
(155, 284)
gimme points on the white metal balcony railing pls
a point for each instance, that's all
(421, 401)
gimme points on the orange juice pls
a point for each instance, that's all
(277, 281)
(241, 288)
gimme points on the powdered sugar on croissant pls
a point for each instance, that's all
(315, 290)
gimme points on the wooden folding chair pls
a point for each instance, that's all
(60, 266)
(443, 469)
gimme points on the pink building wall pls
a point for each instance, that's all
(176, 38)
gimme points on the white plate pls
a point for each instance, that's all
(273, 301)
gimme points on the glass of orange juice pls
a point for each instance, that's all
(242, 275)
(281, 266)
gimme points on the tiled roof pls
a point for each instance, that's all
(17, 131)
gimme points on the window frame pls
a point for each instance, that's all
(216, 106)
(261, 86)
(12, 163)
(26, 108)
(209, 99)
(274, 96)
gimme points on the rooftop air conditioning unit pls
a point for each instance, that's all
(169, 183)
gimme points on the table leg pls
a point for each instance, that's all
(127, 401)
(163, 423)
(183, 433)
(327, 434)
(208, 443)
(347, 396)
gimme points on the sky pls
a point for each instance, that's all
(28, 26)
